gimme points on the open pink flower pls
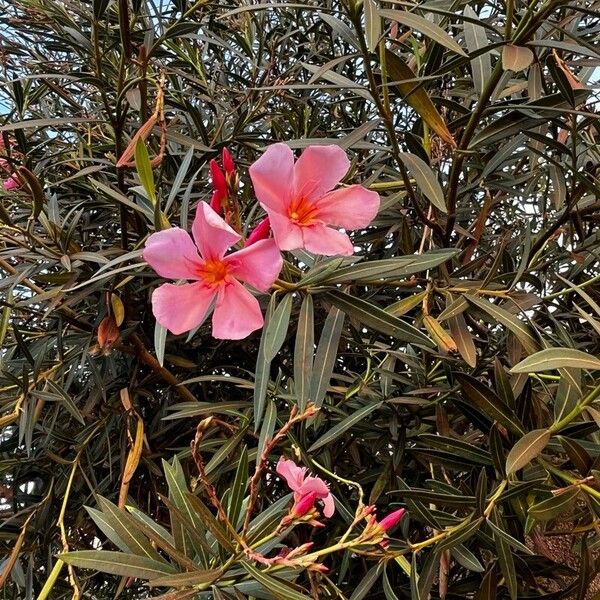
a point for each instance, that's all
(173, 254)
(299, 201)
(305, 486)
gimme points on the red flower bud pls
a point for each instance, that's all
(392, 519)
(260, 232)
(303, 505)
(227, 161)
(218, 177)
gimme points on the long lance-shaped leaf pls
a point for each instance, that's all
(303, 352)
(391, 268)
(326, 354)
(431, 30)
(118, 563)
(489, 403)
(415, 96)
(512, 323)
(556, 358)
(344, 425)
(375, 317)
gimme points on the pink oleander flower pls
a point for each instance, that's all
(301, 205)
(221, 180)
(217, 278)
(305, 486)
(12, 182)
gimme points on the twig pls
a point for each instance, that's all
(161, 371)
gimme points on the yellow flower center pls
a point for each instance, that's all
(214, 272)
(302, 212)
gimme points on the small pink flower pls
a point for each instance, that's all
(173, 254)
(10, 183)
(392, 519)
(299, 201)
(303, 485)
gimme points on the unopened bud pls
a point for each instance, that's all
(260, 232)
(305, 504)
(108, 333)
(392, 519)
(228, 163)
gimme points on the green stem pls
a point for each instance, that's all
(591, 397)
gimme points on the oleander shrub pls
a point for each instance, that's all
(397, 393)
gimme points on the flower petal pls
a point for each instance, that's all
(181, 308)
(318, 170)
(212, 235)
(328, 506)
(172, 254)
(353, 207)
(287, 235)
(12, 183)
(258, 264)
(319, 239)
(272, 176)
(237, 313)
(291, 472)
(314, 484)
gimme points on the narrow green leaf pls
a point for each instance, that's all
(344, 425)
(556, 358)
(460, 534)
(123, 524)
(376, 318)
(118, 563)
(467, 559)
(476, 39)
(372, 24)
(144, 170)
(276, 329)
(553, 507)
(431, 30)
(282, 590)
(303, 352)
(263, 369)
(367, 582)
(500, 315)
(415, 96)
(391, 268)
(488, 402)
(238, 489)
(326, 355)
(505, 557)
(526, 449)
(426, 180)
(183, 580)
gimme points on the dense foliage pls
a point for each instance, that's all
(448, 368)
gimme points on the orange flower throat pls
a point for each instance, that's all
(214, 272)
(302, 212)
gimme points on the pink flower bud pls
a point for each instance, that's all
(303, 505)
(218, 177)
(228, 163)
(260, 232)
(392, 519)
